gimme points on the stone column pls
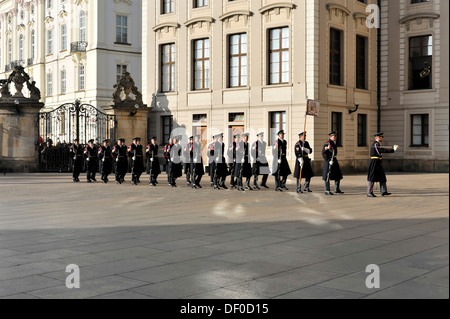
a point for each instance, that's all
(19, 136)
(130, 123)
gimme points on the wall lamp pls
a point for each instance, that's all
(355, 110)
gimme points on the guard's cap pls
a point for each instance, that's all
(136, 139)
(191, 137)
(76, 140)
(218, 135)
(301, 134)
(122, 140)
(379, 134)
(105, 140)
(335, 133)
(260, 134)
(153, 138)
(237, 136)
(281, 132)
(246, 134)
(91, 141)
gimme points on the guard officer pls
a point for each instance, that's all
(280, 166)
(303, 163)
(135, 152)
(260, 163)
(188, 153)
(166, 155)
(197, 163)
(376, 172)
(331, 168)
(232, 159)
(211, 160)
(153, 161)
(91, 155)
(176, 167)
(76, 150)
(221, 169)
(105, 160)
(120, 154)
(243, 166)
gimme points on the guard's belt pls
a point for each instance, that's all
(378, 158)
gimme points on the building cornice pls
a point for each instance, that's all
(191, 22)
(276, 6)
(335, 6)
(235, 13)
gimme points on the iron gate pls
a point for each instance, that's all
(58, 129)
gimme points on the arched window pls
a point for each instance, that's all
(82, 26)
(21, 56)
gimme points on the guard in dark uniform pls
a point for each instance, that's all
(221, 172)
(90, 153)
(260, 163)
(153, 162)
(243, 165)
(211, 160)
(105, 160)
(280, 165)
(120, 154)
(232, 160)
(136, 154)
(76, 150)
(303, 163)
(331, 168)
(166, 155)
(376, 172)
(188, 153)
(197, 163)
(176, 167)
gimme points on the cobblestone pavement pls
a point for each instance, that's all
(142, 242)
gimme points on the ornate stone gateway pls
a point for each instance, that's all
(58, 128)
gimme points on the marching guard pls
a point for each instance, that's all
(303, 163)
(331, 168)
(221, 169)
(105, 160)
(76, 150)
(135, 153)
(232, 160)
(243, 166)
(120, 155)
(166, 155)
(91, 156)
(176, 167)
(153, 162)
(280, 166)
(211, 160)
(197, 163)
(188, 153)
(260, 163)
(376, 172)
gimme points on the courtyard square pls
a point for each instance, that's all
(163, 242)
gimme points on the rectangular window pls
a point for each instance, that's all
(201, 64)
(63, 37)
(168, 67)
(277, 123)
(166, 127)
(167, 6)
(121, 69)
(50, 42)
(81, 84)
(49, 84)
(335, 57)
(279, 56)
(420, 130)
(336, 125)
(420, 62)
(63, 82)
(361, 62)
(238, 60)
(200, 3)
(362, 130)
(121, 29)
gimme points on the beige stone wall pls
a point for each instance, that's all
(403, 20)
(309, 23)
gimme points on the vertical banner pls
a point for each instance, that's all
(312, 107)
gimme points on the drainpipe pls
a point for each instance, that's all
(379, 71)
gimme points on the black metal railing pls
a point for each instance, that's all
(78, 46)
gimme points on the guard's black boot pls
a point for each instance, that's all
(383, 189)
(223, 185)
(264, 185)
(370, 190)
(283, 184)
(306, 187)
(89, 181)
(74, 180)
(247, 185)
(327, 188)
(255, 183)
(299, 187)
(337, 188)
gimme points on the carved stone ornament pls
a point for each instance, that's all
(126, 94)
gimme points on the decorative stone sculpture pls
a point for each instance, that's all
(18, 77)
(35, 93)
(124, 89)
(5, 89)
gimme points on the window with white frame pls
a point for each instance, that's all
(121, 29)
(49, 84)
(50, 41)
(63, 37)
(81, 82)
(33, 43)
(82, 26)
(21, 48)
(63, 82)
(121, 69)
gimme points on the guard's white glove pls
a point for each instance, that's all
(117, 159)
(133, 158)
(279, 161)
(74, 157)
(301, 161)
(87, 159)
(307, 151)
(331, 163)
(103, 159)
(243, 161)
(151, 160)
(396, 148)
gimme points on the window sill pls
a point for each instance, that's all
(200, 91)
(172, 93)
(282, 85)
(335, 86)
(419, 147)
(122, 43)
(362, 90)
(237, 88)
(419, 91)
